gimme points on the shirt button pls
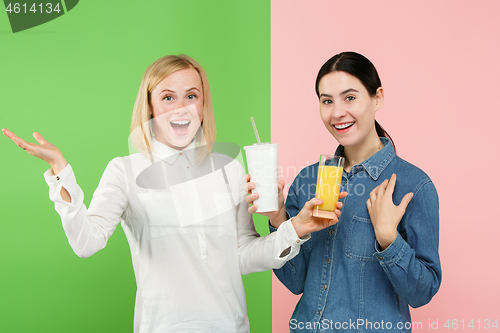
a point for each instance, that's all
(58, 178)
(331, 232)
(328, 260)
(298, 240)
(180, 154)
(325, 286)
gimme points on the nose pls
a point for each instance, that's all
(338, 111)
(180, 107)
(181, 104)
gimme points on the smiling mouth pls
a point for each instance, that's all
(343, 126)
(180, 126)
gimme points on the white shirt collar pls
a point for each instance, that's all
(167, 153)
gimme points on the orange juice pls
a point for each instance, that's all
(328, 187)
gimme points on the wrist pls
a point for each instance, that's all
(278, 219)
(386, 239)
(298, 227)
(58, 166)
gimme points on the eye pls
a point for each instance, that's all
(350, 98)
(168, 98)
(327, 101)
(191, 96)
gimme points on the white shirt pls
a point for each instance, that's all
(190, 235)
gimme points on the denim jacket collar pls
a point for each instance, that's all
(375, 164)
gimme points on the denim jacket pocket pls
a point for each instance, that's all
(360, 240)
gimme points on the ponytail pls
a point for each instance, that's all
(382, 133)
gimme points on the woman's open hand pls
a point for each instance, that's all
(384, 214)
(275, 217)
(44, 150)
(305, 223)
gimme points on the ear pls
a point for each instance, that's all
(379, 98)
(150, 110)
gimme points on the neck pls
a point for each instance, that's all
(362, 151)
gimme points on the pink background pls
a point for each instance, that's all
(439, 66)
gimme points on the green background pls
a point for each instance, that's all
(75, 79)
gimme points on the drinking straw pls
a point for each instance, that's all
(255, 130)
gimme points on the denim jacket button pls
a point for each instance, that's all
(380, 257)
(328, 260)
(319, 312)
(325, 286)
(331, 232)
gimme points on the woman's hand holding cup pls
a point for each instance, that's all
(275, 217)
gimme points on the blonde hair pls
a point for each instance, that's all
(141, 129)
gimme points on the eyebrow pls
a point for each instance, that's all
(342, 93)
(326, 95)
(348, 91)
(168, 90)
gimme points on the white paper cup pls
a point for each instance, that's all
(262, 161)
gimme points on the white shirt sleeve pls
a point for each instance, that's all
(258, 253)
(89, 230)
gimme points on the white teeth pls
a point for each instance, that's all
(180, 122)
(343, 125)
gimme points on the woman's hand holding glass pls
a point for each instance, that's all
(304, 223)
(384, 214)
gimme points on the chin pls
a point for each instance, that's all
(180, 142)
(346, 142)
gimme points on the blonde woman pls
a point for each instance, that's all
(181, 206)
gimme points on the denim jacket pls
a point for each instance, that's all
(348, 284)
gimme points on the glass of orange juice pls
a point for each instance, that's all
(328, 185)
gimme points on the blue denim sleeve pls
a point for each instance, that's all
(293, 273)
(412, 262)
